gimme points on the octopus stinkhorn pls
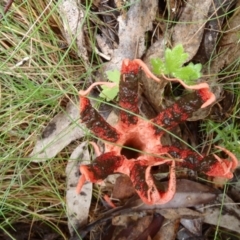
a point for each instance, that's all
(133, 145)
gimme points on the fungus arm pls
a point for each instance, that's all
(211, 165)
(181, 110)
(95, 122)
(128, 93)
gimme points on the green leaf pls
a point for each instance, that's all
(173, 65)
(174, 59)
(110, 93)
(157, 66)
(189, 73)
(113, 76)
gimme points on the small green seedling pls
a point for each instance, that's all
(173, 65)
(110, 93)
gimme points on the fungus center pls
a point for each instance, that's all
(132, 148)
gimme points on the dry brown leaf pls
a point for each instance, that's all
(123, 188)
(223, 213)
(77, 204)
(59, 133)
(229, 44)
(190, 27)
(168, 231)
(73, 19)
(132, 29)
(125, 220)
(133, 228)
(178, 213)
(213, 29)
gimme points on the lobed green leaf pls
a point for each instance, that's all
(189, 73)
(113, 76)
(173, 65)
(158, 67)
(174, 59)
(110, 93)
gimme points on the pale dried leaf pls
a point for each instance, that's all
(226, 216)
(105, 49)
(193, 225)
(179, 213)
(73, 20)
(77, 204)
(229, 44)
(189, 30)
(183, 233)
(168, 230)
(59, 133)
(132, 29)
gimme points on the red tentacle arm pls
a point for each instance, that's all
(181, 110)
(223, 167)
(128, 93)
(211, 165)
(137, 170)
(96, 123)
(144, 183)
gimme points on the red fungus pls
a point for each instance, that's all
(133, 145)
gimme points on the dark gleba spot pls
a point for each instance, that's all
(51, 127)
